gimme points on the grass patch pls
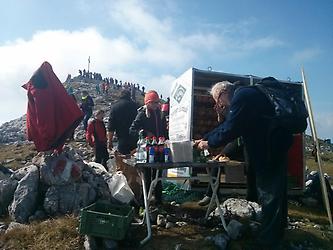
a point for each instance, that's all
(57, 233)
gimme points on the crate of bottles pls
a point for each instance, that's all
(106, 220)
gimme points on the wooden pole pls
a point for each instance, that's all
(316, 143)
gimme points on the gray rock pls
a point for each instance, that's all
(220, 240)
(7, 189)
(169, 225)
(37, 216)
(3, 227)
(240, 208)
(13, 131)
(181, 223)
(15, 225)
(21, 172)
(58, 170)
(98, 180)
(89, 243)
(171, 218)
(161, 221)
(178, 246)
(5, 172)
(235, 229)
(254, 227)
(25, 197)
(68, 199)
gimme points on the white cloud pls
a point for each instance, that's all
(302, 56)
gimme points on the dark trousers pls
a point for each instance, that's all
(101, 154)
(150, 174)
(86, 117)
(272, 195)
(271, 184)
(126, 145)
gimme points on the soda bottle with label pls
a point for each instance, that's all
(151, 154)
(167, 152)
(148, 145)
(161, 141)
(155, 146)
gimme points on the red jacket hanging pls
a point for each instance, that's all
(52, 114)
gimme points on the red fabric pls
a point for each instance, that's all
(296, 160)
(151, 96)
(52, 114)
(165, 107)
(100, 132)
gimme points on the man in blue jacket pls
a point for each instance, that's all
(267, 152)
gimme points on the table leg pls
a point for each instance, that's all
(153, 185)
(214, 198)
(145, 240)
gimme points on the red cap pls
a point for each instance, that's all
(151, 96)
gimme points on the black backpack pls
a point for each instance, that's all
(313, 188)
(290, 110)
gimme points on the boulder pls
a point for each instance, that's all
(58, 170)
(21, 172)
(25, 197)
(7, 189)
(97, 178)
(240, 208)
(68, 198)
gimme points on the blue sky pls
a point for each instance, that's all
(154, 42)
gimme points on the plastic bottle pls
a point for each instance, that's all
(141, 156)
(155, 146)
(166, 152)
(148, 145)
(151, 154)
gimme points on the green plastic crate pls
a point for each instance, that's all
(106, 220)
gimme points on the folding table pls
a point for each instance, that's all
(213, 181)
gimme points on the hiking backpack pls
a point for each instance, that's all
(290, 111)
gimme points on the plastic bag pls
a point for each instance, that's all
(112, 166)
(120, 190)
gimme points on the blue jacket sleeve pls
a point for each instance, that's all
(235, 122)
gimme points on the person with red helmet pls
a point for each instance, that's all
(153, 123)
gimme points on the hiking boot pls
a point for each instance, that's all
(204, 201)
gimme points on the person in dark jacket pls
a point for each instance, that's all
(267, 151)
(150, 119)
(96, 138)
(87, 105)
(122, 114)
